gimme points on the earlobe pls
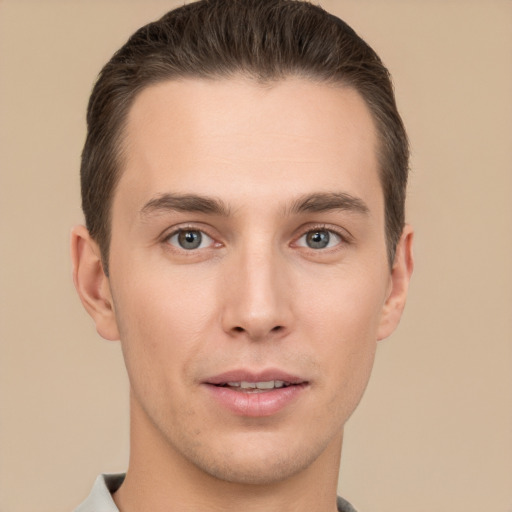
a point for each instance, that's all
(92, 284)
(399, 284)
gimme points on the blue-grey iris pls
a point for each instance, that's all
(190, 239)
(318, 239)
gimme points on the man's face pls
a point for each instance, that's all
(248, 248)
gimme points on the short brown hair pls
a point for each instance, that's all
(267, 40)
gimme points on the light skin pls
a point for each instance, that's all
(247, 237)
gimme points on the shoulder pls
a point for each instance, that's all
(344, 505)
(100, 497)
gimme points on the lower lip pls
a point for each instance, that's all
(256, 404)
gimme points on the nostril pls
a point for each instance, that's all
(253, 333)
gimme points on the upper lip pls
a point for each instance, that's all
(266, 375)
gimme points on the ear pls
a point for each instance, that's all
(399, 284)
(92, 284)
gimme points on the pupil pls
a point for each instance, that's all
(318, 239)
(190, 239)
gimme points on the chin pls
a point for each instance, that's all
(257, 472)
(257, 462)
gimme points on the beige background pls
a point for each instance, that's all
(434, 431)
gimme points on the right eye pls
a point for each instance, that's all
(190, 239)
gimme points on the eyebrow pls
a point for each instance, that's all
(185, 203)
(326, 201)
(317, 202)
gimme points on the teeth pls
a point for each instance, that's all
(271, 384)
(265, 385)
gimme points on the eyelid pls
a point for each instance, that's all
(174, 230)
(344, 236)
(204, 239)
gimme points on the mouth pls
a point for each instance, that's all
(255, 381)
(256, 394)
(256, 387)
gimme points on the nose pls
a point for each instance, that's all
(258, 297)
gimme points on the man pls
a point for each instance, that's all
(243, 184)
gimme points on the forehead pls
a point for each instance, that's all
(193, 135)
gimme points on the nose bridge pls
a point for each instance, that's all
(257, 302)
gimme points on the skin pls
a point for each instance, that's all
(254, 295)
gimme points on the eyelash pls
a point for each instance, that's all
(184, 229)
(344, 238)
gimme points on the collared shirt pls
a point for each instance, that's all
(100, 498)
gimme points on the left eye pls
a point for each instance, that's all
(190, 239)
(319, 239)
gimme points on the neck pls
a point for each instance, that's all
(159, 477)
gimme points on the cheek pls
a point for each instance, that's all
(343, 320)
(346, 304)
(163, 324)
